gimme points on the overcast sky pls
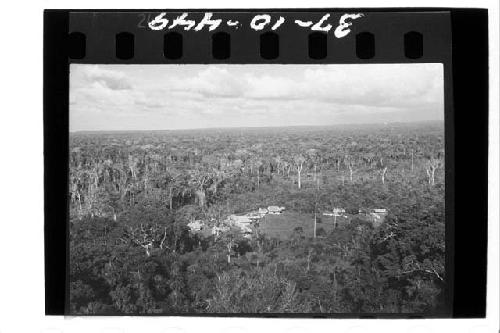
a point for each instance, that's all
(156, 97)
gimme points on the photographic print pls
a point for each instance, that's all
(257, 189)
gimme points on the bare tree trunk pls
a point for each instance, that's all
(309, 260)
(335, 287)
(200, 195)
(229, 246)
(431, 171)
(315, 223)
(430, 174)
(170, 198)
(412, 160)
(79, 198)
(383, 175)
(146, 180)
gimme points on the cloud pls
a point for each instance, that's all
(371, 85)
(190, 96)
(150, 103)
(213, 82)
(112, 79)
(375, 85)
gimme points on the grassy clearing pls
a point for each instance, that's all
(283, 226)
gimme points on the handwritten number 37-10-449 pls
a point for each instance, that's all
(258, 22)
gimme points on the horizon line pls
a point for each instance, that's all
(254, 127)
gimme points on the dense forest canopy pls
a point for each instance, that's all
(134, 194)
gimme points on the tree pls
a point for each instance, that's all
(173, 176)
(199, 180)
(412, 158)
(408, 250)
(259, 290)
(313, 155)
(257, 165)
(230, 239)
(299, 163)
(215, 214)
(133, 165)
(349, 163)
(278, 160)
(316, 199)
(432, 165)
(146, 236)
(383, 169)
(75, 191)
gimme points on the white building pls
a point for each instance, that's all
(241, 221)
(335, 212)
(275, 210)
(263, 211)
(253, 216)
(195, 225)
